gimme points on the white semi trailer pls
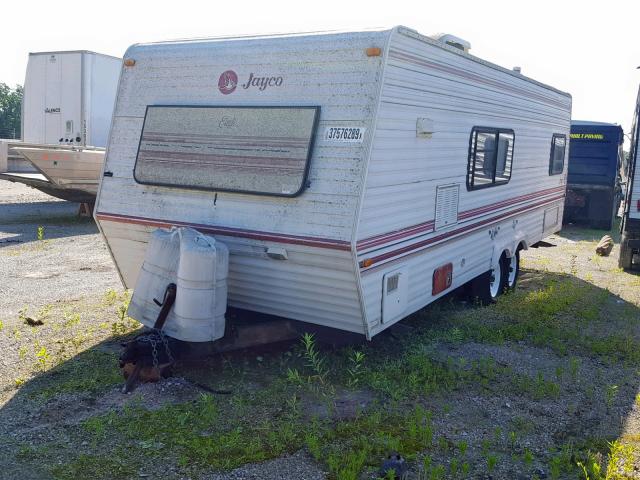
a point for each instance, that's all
(66, 113)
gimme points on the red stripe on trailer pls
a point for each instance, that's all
(396, 234)
(487, 208)
(383, 238)
(419, 246)
(232, 232)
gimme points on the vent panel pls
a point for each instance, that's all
(447, 197)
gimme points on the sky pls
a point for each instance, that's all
(588, 48)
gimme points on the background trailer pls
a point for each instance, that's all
(594, 191)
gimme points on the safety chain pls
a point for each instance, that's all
(154, 337)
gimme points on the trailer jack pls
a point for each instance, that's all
(150, 355)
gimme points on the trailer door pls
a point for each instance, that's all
(63, 87)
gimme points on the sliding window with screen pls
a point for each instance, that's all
(556, 159)
(490, 157)
(259, 150)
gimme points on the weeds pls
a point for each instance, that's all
(492, 461)
(356, 369)
(610, 395)
(43, 358)
(314, 361)
(346, 446)
(40, 233)
(527, 457)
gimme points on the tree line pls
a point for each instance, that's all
(10, 111)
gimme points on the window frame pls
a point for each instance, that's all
(471, 159)
(305, 177)
(551, 151)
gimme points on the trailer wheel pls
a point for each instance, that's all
(626, 254)
(487, 287)
(511, 270)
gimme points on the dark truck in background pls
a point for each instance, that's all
(594, 189)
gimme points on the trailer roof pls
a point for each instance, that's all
(400, 29)
(588, 123)
(58, 52)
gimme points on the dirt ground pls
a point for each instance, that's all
(544, 384)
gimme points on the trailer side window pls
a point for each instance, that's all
(490, 157)
(556, 159)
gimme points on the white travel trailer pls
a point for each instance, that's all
(630, 227)
(66, 113)
(354, 177)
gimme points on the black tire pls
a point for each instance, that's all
(510, 281)
(626, 254)
(482, 288)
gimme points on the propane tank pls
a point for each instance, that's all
(158, 270)
(199, 266)
(201, 299)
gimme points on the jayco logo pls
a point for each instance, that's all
(262, 82)
(229, 81)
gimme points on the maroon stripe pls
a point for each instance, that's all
(487, 208)
(426, 226)
(232, 232)
(396, 234)
(224, 166)
(415, 247)
(476, 78)
(199, 157)
(247, 137)
(225, 143)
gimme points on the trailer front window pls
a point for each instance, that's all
(259, 150)
(556, 160)
(490, 157)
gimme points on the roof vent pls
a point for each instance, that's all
(453, 41)
(517, 69)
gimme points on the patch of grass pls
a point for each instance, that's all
(90, 371)
(537, 388)
(215, 434)
(96, 466)
(110, 297)
(555, 316)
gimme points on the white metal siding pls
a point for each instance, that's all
(634, 211)
(315, 284)
(405, 170)
(456, 92)
(102, 86)
(53, 81)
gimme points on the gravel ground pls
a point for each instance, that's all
(67, 280)
(70, 262)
